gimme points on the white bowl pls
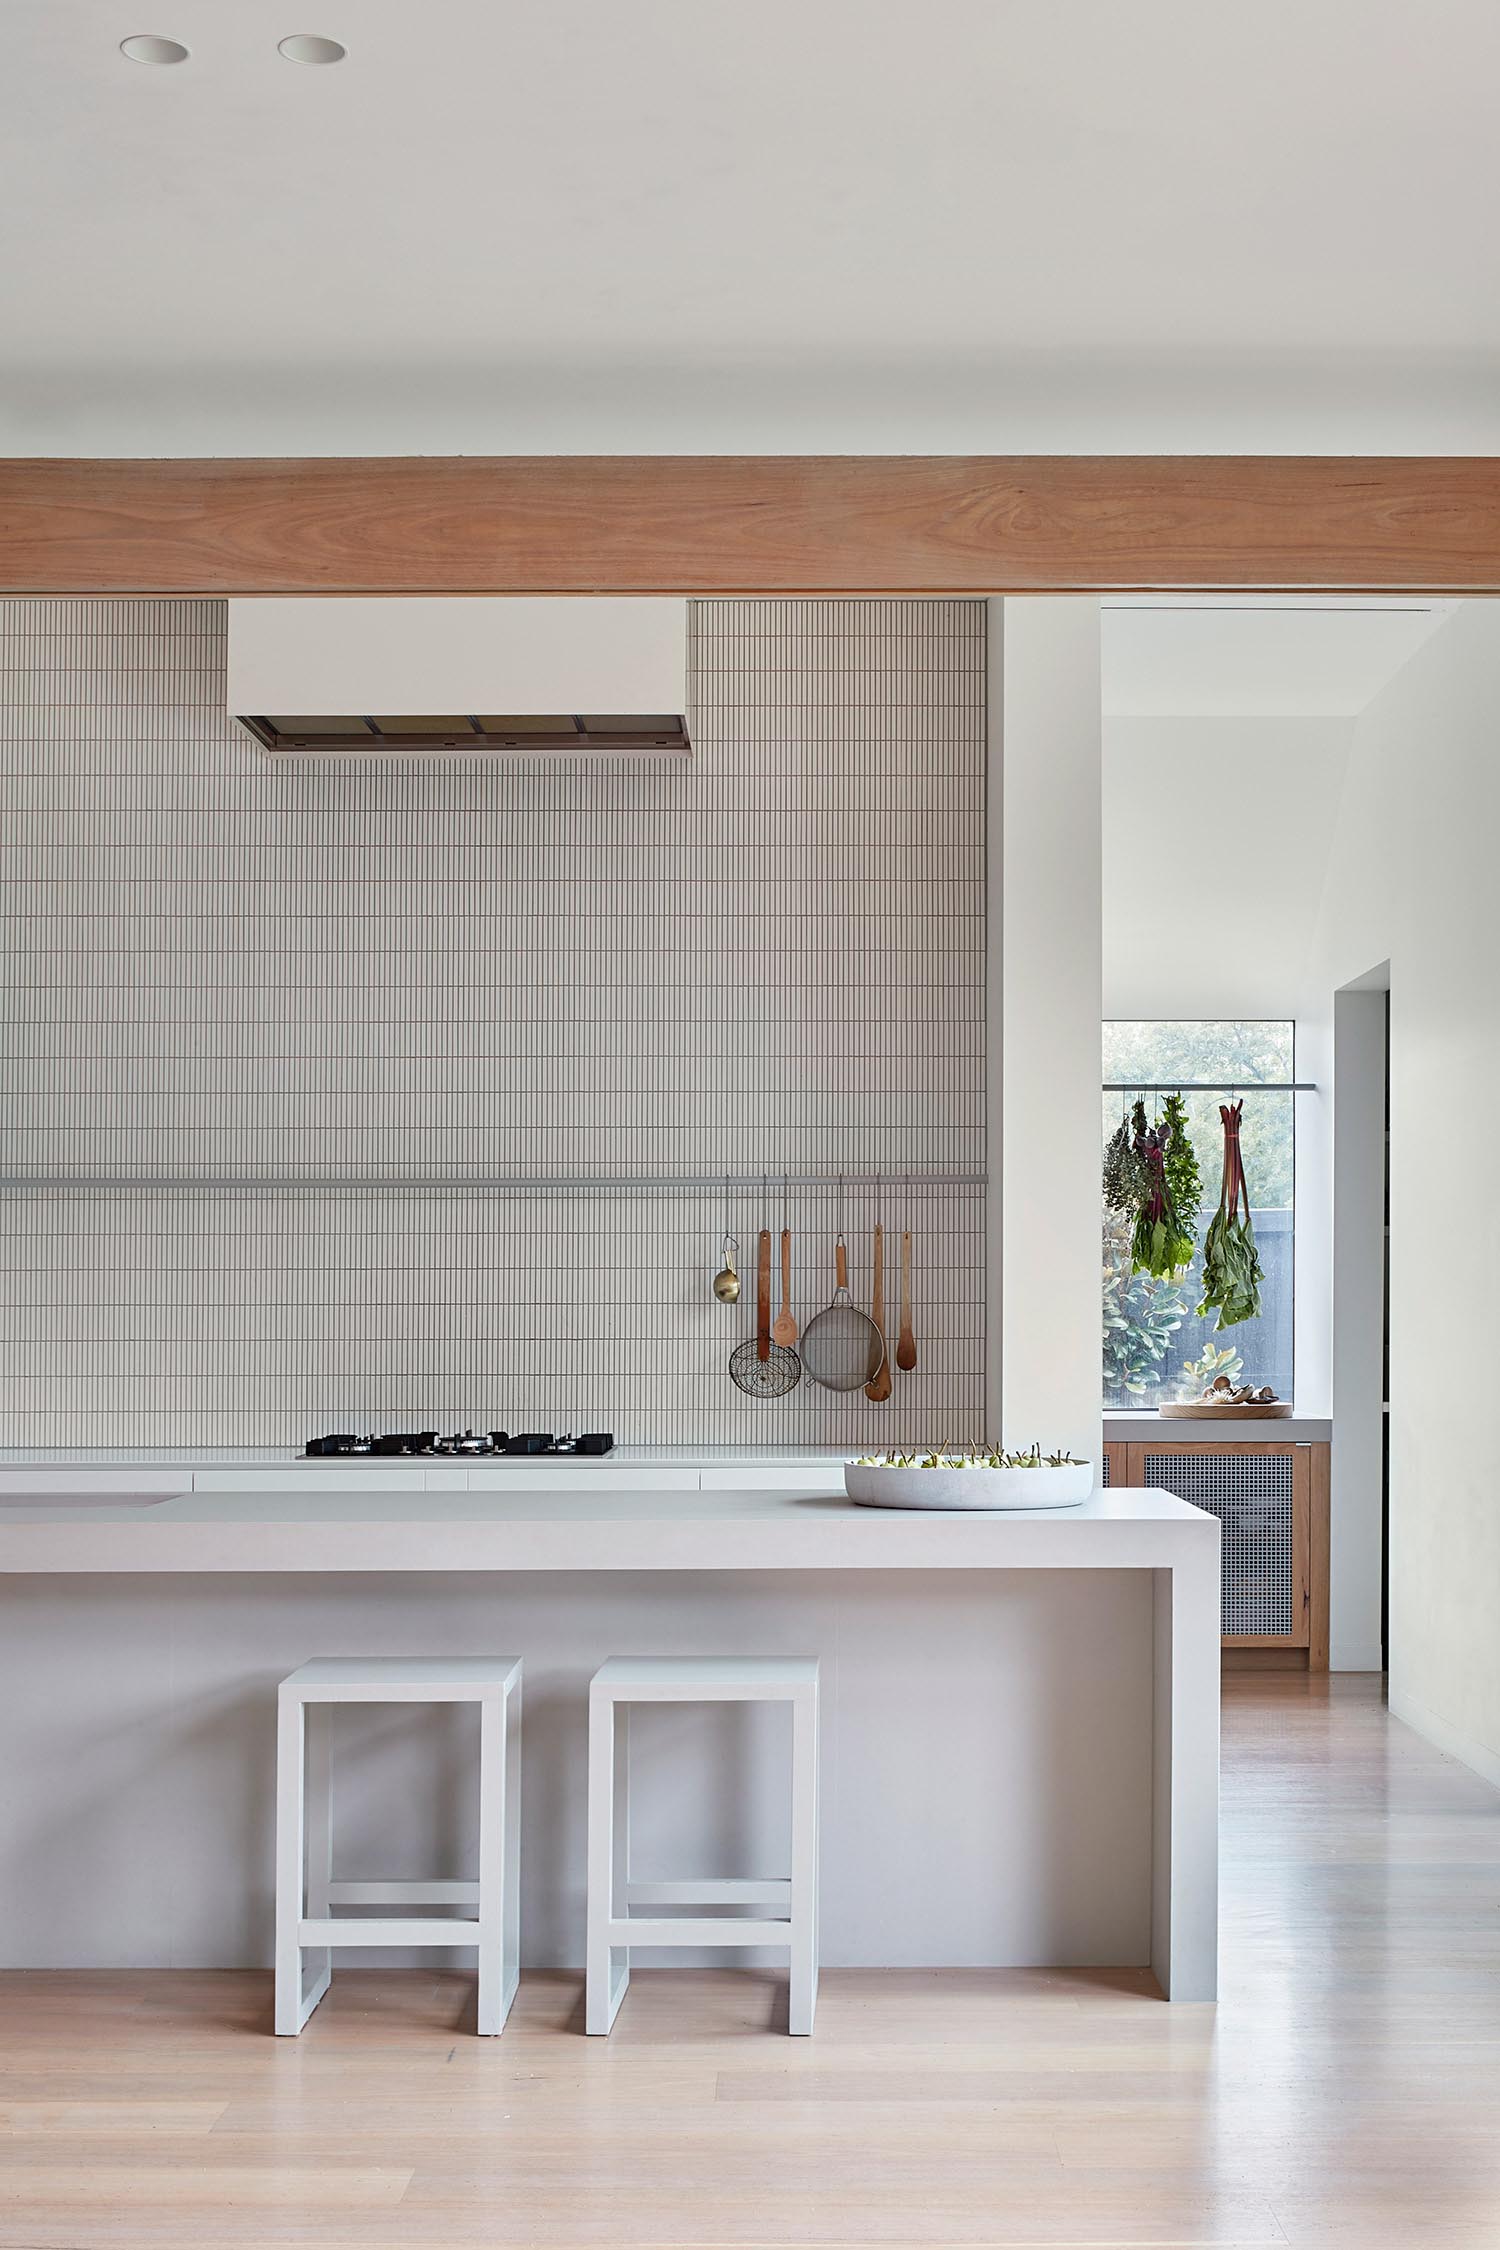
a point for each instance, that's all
(1067, 1487)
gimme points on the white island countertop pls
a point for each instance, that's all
(288, 1564)
(378, 1527)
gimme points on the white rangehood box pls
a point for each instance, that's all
(598, 675)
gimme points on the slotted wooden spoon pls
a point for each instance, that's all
(879, 1386)
(784, 1329)
(906, 1343)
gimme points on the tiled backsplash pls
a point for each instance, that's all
(767, 958)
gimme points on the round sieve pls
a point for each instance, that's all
(841, 1347)
(772, 1377)
(759, 1367)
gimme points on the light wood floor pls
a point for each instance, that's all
(1345, 2092)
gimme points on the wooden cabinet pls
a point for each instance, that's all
(1271, 1498)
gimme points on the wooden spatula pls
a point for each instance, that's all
(879, 1386)
(906, 1346)
(784, 1327)
(763, 1295)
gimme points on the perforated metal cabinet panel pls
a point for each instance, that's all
(1253, 1496)
(1104, 1468)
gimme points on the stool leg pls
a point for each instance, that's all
(499, 1779)
(317, 1798)
(510, 1917)
(290, 1844)
(802, 1994)
(608, 1859)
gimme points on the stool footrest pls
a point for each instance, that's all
(439, 1892)
(714, 1890)
(699, 1929)
(379, 1929)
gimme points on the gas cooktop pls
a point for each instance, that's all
(464, 1445)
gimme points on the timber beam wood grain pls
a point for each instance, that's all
(762, 524)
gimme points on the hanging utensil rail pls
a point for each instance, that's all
(1211, 1086)
(555, 1183)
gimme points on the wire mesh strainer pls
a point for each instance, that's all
(841, 1347)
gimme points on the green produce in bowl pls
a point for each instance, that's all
(987, 1457)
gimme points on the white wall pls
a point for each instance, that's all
(1044, 701)
(1192, 928)
(1412, 880)
(214, 966)
(1357, 1329)
(1216, 841)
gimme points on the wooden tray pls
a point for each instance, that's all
(1199, 1411)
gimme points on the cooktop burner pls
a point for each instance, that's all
(463, 1445)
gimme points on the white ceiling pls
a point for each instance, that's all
(1244, 656)
(670, 225)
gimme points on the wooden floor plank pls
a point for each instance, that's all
(1342, 2096)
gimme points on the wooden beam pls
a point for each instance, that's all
(817, 525)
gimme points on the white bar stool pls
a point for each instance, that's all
(612, 1928)
(305, 1922)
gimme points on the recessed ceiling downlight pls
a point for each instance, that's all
(307, 47)
(146, 47)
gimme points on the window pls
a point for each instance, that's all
(1152, 1329)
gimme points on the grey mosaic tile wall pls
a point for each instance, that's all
(218, 972)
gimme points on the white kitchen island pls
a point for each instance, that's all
(1021, 1711)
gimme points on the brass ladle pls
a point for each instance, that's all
(727, 1279)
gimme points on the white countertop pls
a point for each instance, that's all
(1150, 1429)
(292, 1457)
(375, 1527)
(153, 1471)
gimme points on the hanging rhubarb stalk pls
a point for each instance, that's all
(1231, 1263)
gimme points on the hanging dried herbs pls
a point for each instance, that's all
(1125, 1174)
(1184, 1180)
(1231, 1262)
(1159, 1243)
(1151, 1175)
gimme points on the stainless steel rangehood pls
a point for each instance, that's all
(597, 677)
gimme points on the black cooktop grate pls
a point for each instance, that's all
(462, 1445)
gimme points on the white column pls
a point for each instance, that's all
(1356, 1562)
(1045, 987)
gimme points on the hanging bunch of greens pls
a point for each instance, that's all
(1151, 1177)
(1231, 1262)
(1159, 1244)
(1184, 1180)
(1125, 1175)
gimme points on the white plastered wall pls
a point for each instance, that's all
(1216, 840)
(1044, 1041)
(1186, 932)
(1411, 881)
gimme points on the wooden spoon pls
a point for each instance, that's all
(879, 1386)
(763, 1296)
(784, 1327)
(906, 1348)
